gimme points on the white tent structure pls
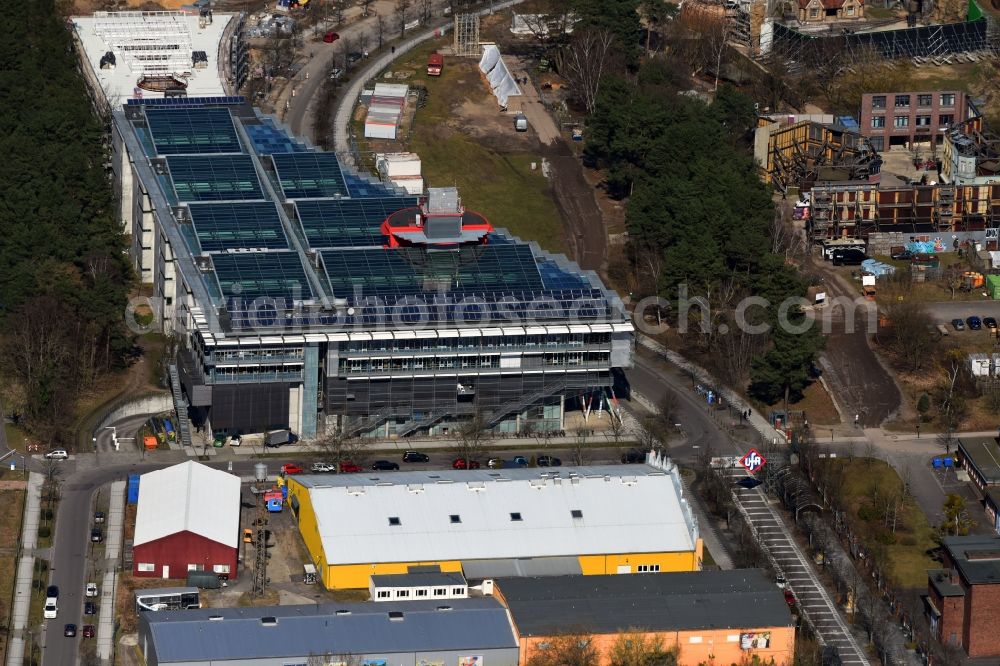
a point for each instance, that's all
(501, 82)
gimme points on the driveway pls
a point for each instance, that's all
(948, 310)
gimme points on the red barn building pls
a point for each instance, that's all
(188, 519)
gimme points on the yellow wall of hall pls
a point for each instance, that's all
(355, 576)
(596, 565)
(308, 528)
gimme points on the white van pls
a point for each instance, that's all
(51, 610)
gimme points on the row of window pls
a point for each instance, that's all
(903, 101)
(919, 121)
(148, 567)
(515, 517)
(360, 366)
(444, 344)
(223, 355)
(403, 594)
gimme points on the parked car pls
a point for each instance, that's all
(69, 630)
(336, 73)
(975, 323)
(415, 457)
(519, 461)
(354, 56)
(90, 608)
(958, 324)
(633, 456)
(548, 461)
(57, 454)
(247, 535)
(322, 467)
(99, 517)
(92, 589)
(347, 467)
(516, 461)
(88, 631)
(330, 37)
(291, 468)
(96, 535)
(905, 255)
(462, 463)
(789, 597)
(990, 323)
(51, 610)
(384, 466)
(495, 463)
(51, 592)
(780, 581)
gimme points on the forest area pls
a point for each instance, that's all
(64, 274)
(701, 226)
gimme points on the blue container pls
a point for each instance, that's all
(133, 488)
(274, 505)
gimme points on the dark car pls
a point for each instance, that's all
(958, 324)
(90, 608)
(990, 323)
(462, 463)
(416, 457)
(52, 592)
(384, 466)
(849, 257)
(99, 517)
(633, 456)
(96, 535)
(975, 323)
(88, 631)
(353, 57)
(548, 461)
(69, 630)
(905, 255)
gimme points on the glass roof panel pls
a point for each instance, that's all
(191, 131)
(214, 177)
(348, 222)
(251, 275)
(225, 226)
(309, 175)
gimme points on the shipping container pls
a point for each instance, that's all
(133, 488)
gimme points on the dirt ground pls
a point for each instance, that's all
(860, 383)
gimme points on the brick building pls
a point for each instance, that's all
(963, 597)
(911, 118)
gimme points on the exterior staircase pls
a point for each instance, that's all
(181, 407)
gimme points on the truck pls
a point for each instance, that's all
(868, 287)
(435, 63)
(520, 123)
(276, 438)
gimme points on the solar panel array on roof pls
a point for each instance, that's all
(221, 226)
(185, 101)
(192, 131)
(416, 271)
(251, 275)
(556, 277)
(268, 140)
(348, 222)
(309, 175)
(214, 177)
(362, 186)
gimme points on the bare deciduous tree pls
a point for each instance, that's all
(473, 438)
(566, 650)
(584, 62)
(425, 10)
(366, 7)
(401, 9)
(380, 29)
(337, 449)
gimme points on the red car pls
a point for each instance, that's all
(461, 463)
(789, 597)
(347, 467)
(291, 468)
(330, 37)
(88, 631)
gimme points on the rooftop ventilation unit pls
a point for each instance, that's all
(269, 621)
(395, 616)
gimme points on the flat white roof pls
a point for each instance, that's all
(189, 497)
(119, 83)
(511, 513)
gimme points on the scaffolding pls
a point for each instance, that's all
(148, 42)
(467, 35)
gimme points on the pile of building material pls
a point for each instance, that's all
(983, 365)
(385, 106)
(402, 170)
(877, 268)
(502, 82)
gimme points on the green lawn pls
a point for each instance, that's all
(907, 553)
(499, 184)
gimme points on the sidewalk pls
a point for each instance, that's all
(25, 571)
(112, 552)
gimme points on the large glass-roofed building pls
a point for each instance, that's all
(306, 295)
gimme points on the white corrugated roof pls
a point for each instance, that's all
(635, 509)
(188, 497)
